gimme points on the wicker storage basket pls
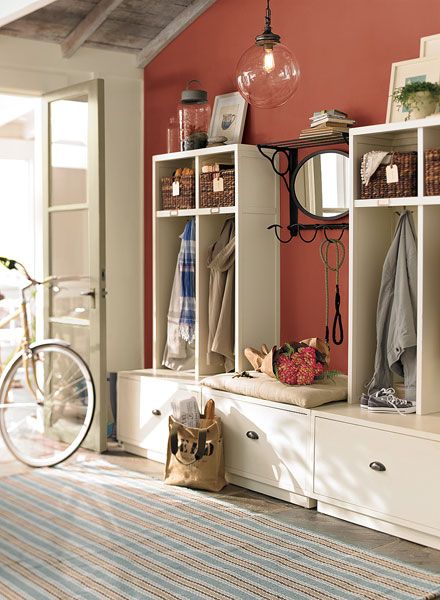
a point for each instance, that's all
(187, 192)
(406, 186)
(432, 172)
(209, 198)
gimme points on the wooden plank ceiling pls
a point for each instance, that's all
(142, 27)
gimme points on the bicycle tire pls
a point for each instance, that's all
(23, 435)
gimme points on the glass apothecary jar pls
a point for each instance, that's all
(194, 117)
(173, 135)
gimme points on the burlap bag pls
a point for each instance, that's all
(195, 456)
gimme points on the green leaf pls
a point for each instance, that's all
(403, 95)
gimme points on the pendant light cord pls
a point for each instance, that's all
(340, 257)
(268, 16)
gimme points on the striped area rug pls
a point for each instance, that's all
(94, 531)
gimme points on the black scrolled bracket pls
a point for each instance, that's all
(291, 155)
(273, 159)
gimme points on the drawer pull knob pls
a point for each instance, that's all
(377, 466)
(252, 435)
(156, 412)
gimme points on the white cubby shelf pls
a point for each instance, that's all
(256, 254)
(371, 232)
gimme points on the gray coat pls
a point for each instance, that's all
(396, 321)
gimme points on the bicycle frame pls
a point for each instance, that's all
(25, 345)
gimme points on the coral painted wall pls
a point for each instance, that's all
(345, 49)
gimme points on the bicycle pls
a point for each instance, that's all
(47, 395)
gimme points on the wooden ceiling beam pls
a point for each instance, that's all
(11, 10)
(171, 31)
(88, 26)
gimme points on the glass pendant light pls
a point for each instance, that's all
(267, 73)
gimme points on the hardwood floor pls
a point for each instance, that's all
(347, 532)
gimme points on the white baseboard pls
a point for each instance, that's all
(138, 451)
(270, 490)
(406, 533)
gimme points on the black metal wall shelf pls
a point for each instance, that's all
(289, 149)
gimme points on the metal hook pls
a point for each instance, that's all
(396, 212)
(276, 227)
(338, 239)
(307, 241)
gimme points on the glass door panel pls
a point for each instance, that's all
(69, 233)
(76, 335)
(69, 121)
(68, 299)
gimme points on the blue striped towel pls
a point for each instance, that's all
(187, 262)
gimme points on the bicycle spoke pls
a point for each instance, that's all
(67, 375)
(64, 388)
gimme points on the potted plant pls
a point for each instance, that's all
(419, 98)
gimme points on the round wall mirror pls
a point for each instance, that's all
(320, 184)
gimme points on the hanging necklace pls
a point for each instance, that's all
(337, 336)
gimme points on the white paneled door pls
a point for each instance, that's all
(74, 231)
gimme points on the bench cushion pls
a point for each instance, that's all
(266, 388)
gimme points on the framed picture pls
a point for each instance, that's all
(430, 46)
(408, 71)
(228, 117)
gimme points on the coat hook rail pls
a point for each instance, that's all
(296, 229)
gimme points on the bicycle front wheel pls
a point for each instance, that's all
(47, 402)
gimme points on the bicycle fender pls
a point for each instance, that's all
(50, 341)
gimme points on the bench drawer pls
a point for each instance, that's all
(265, 443)
(389, 473)
(143, 407)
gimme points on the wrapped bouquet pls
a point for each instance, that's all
(294, 363)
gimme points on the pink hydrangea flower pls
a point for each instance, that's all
(298, 368)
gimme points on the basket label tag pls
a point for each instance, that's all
(392, 173)
(176, 188)
(217, 184)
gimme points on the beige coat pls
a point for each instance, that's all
(221, 309)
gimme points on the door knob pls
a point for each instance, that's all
(92, 294)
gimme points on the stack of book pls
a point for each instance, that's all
(329, 123)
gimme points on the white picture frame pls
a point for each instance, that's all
(418, 69)
(228, 117)
(430, 46)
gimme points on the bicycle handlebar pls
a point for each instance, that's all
(8, 263)
(12, 264)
